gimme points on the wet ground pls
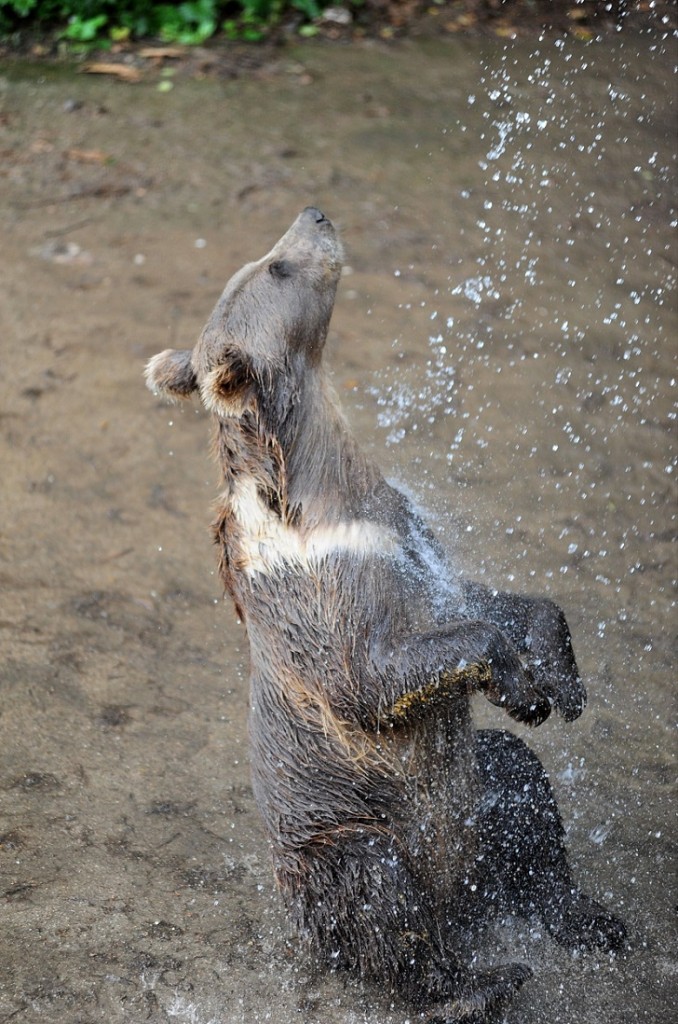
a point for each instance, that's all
(504, 341)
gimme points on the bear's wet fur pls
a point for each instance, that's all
(394, 824)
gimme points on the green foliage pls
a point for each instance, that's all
(252, 22)
(307, 7)
(22, 7)
(257, 17)
(88, 23)
(190, 23)
(84, 30)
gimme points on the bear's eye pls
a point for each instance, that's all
(280, 269)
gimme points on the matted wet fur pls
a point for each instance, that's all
(393, 823)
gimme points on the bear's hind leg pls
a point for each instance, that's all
(493, 988)
(523, 863)
(354, 897)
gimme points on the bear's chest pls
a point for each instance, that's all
(261, 543)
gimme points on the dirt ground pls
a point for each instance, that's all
(134, 877)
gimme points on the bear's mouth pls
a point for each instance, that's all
(312, 219)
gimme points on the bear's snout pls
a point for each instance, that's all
(317, 215)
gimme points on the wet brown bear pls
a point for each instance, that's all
(393, 822)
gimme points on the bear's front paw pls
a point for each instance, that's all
(551, 660)
(562, 683)
(511, 686)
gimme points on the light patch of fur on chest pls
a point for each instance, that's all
(266, 544)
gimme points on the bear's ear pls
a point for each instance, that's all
(230, 389)
(171, 375)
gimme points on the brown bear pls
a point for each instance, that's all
(394, 824)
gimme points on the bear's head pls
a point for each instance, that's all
(267, 330)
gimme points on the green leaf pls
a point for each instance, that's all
(80, 31)
(307, 7)
(22, 7)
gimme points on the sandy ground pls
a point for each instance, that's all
(134, 876)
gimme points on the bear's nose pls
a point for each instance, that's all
(317, 215)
